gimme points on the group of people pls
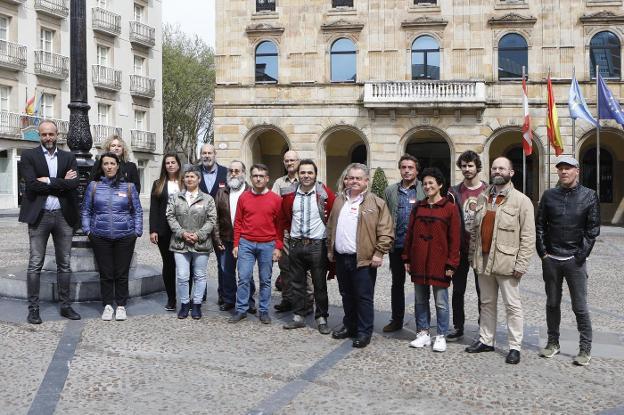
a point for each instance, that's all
(433, 232)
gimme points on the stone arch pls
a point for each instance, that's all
(266, 143)
(335, 149)
(434, 138)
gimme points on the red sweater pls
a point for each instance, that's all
(258, 218)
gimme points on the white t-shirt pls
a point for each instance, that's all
(346, 227)
(234, 195)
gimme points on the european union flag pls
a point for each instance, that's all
(577, 105)
(609, 107)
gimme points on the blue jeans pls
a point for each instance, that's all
(227, 276)
(248, 253)
(198, 262)
(423, 318)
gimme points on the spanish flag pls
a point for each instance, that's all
(552, 123)
(30, 105)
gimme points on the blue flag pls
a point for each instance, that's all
(577, 105)
(609, 107)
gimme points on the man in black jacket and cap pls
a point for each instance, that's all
(567, 225)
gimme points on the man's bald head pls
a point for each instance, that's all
(501, 171)
(208, 155)
(291, 162)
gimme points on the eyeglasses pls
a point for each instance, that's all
(258, 176)
(234, 171)
(291, 160)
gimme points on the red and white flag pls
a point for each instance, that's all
(527, 135)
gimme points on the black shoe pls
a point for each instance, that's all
(513, 358)
(237, 317)
(226, 307)
(184, 310)
(69, 313)
(361, 342)
(455, 336)
(343, 333)
(478, 347)
(393, 326)
(33, 316)
(283, 307)
(296, 323)
(264, 318)
(219, 301)
(170, 306)
(196, 311)
(252, 310)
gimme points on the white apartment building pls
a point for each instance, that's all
(124, 59)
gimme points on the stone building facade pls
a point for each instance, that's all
(368, 80)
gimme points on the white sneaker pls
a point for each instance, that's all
(107, 315)
(422, 339)
(439, 345)
(120, 314)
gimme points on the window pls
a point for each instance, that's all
(5, 93)
(513, 54)
(47, 106)
(139, 120)
(103, 110)
(102, 55)
(342, 3)
(46, 40)
(266, 62)
(141, 167)
(425, 58)
(4, 28)
(265, 5)
(138, 13)
(426, 2)
(139, 65)
(343, 61)
(604, 51)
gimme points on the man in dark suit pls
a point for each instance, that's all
(49, 206)
(214, 177)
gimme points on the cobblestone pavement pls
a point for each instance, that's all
(154, 363)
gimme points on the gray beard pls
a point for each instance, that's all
(500, 180)
(235, 183)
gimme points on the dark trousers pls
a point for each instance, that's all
(357, 287)
(554, 273)
(168, 268)
(284, 266)
(227, 276)
(460, 280)
(308, 255)
(397, 292)
(50, 223)
(113, 258)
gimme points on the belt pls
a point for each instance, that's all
(304, 241)
(51, 210)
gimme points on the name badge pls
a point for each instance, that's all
(412, 201)
(122, 194)
(221, 185)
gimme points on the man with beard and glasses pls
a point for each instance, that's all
(501, 245)
(49, 207)
(466, 194)
(223, 235)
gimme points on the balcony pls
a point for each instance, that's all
(142, 86)
(106, 78)
(51, 65)
(10, 126)
(102, 132)
(143, 140)
(105, 21)
(413, 94)
(54, 8)
(142, 34)
(15, 1)
(12, 56)
(265, 5)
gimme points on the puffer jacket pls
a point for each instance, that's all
(568, 222)
(113, 211)
(200, 218)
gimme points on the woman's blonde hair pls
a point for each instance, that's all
(107, 144)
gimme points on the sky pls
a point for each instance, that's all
(193, 16)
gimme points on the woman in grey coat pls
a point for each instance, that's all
(191, 215)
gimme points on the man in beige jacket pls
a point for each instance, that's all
(501, 246)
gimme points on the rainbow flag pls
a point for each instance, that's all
(552, 123)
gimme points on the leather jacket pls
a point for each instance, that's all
(568, 222)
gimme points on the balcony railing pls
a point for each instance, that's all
(142, 34)
(142, 86)
(106, 78)
(143, 140)
(51, 65)
(12, 55)
(15, 1)
(102, 132)
(106, 21)
(56, 8)
(62, 125)
(265, 5)
(424, 93)
(342, 3)
(11, 124)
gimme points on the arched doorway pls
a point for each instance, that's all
(343, 146)
(509, 144)
(611, 161)
(431, 150)
(267, 146)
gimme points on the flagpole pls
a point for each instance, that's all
(598, 135)
(523, 154)
(573, 122)
(548, 143)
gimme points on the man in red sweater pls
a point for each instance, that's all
(257, 237)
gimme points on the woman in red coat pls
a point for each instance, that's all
(431, 255)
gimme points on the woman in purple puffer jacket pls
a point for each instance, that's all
(112, 218)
